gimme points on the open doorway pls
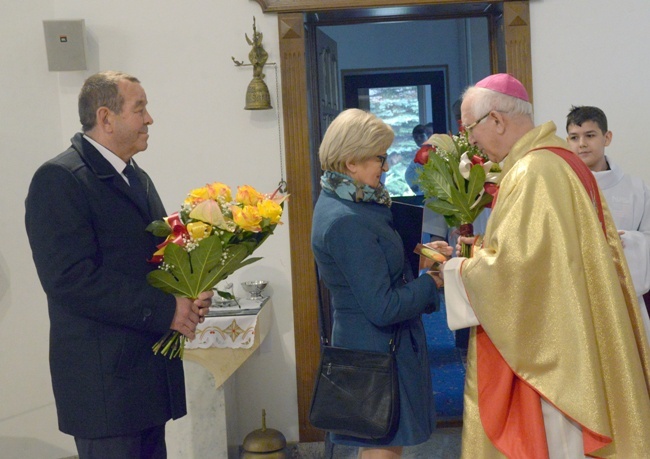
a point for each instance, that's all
(514, 58)
(422, 61)
(409, 72)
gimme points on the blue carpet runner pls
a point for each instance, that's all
(447, 369)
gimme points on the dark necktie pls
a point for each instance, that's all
(139, 193)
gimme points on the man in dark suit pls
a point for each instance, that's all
(86, 214)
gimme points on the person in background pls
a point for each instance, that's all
(558, 362)
(420, 136)
(428, 128)
(361, 260)
(628, 198)
(86, 214)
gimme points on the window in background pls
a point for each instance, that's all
(403, 99)
(399, 107)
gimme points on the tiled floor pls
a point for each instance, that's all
(443, 444)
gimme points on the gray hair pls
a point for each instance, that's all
(354, 135)
(101, 90)
(486, 100)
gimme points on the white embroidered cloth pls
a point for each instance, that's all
(236, 330)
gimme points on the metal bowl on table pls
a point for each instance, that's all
(254, 288)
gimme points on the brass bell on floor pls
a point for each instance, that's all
(264, 443)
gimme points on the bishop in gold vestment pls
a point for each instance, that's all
(558, 362)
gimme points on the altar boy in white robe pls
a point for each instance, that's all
(628, 198)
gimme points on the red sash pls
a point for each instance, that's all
(510, 409)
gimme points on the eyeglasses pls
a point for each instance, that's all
(469, 127)
(382, 159)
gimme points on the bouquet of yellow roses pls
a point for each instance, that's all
(206, 241)
(460, 178)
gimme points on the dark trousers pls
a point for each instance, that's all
(148, 444)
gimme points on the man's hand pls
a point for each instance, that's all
(471, 240)
(190, 313)
(446, 250)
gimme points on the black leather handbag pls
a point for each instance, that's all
(356, 392)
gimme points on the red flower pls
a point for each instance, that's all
(422, 156)
(178, 235)
(493, 189)
(476, 159)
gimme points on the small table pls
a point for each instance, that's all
(229, 327)
(225, 341)
(203, 432)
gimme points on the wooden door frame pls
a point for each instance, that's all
(297, 126)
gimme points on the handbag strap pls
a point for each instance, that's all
(393, 344)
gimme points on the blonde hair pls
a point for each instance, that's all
(354, 135)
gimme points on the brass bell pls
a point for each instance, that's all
(257, 95)
(264, 443)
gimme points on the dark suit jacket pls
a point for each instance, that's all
(90, 248)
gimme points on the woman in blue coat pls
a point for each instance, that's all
(361, 260)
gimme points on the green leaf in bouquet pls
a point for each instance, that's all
(475, 183)
(436, 184)
(234, 261)
(187, 269)
(167, 282)
(447, 210)
(442, 207)
(435, 178)
(190, 273)
(452, 221)
(464, 197)
(204, 259)
(159, 228)
(178, 279)
(459, 200)
(486, 198)
(474, 190)
(457, 177)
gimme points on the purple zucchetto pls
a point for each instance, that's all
(505, 84)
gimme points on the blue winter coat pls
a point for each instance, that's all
(360, 258)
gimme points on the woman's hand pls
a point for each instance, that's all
(446, 250)
(437, 278)
(441, 246)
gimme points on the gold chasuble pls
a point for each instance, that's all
(558, 316)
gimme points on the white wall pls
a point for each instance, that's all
(595, 52)
(583, 51)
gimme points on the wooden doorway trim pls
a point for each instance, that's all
(293, 67)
